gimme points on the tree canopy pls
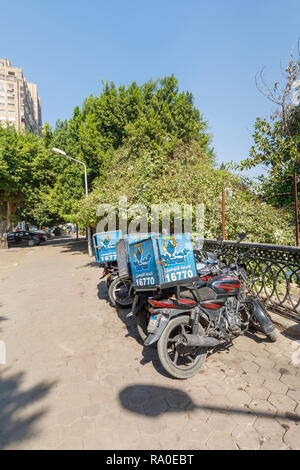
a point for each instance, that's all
(149, 143)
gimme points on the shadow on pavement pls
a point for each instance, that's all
(70, 244)
(136, 398)
(102, 291)
(2, 318)
(14, 428)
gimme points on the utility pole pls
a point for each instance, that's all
(223, 214)
(88, 229)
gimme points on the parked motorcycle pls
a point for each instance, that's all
(211, 312)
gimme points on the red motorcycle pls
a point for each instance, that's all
(209, 313)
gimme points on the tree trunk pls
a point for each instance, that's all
(7, 211)
(4, 228)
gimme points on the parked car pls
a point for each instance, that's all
(47, 232)
(23, 237)
(41, 234)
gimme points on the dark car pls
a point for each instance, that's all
(47, 232)
(41, 234)
(23, 237)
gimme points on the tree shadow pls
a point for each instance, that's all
(102, 291)
(75, 248)
(14, 428)
(147, 400)
(2, 319)
(91, 264)
(292, 332)
(70, 245)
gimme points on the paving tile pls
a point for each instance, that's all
(276, 386)
(178, 400)
(258, 392)
(294, 394)
(269, 429)
(222, 422)
(197, 431)
(221, 441)
(274, 444)
(239, 397)
(82, 427)
(254, 378)
(236, 382)
(265, 362)
(101, 440)
(246, 437)
(262, 407)
(155, 406)
(217, 387)
(292, 381)
(71, 444)
(283, 403)
(126, 435)
(68, 416)
(292, 437)
(269, 373)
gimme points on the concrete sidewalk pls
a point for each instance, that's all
(77, 377)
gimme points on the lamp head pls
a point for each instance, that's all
(59, 152)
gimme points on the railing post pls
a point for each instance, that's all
(296, 209)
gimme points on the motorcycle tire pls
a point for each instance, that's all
(142, 318)
(115, 286)
(174, 326)
(272, 336)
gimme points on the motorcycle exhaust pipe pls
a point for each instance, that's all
(201, 341)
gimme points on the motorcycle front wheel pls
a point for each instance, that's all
(179, 362)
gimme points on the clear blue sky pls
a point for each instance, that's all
(214, 48)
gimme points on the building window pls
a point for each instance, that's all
(11, 73)
(11, 79)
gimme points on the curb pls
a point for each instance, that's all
(286, 326)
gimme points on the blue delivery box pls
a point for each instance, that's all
(105, 245)
(123, 251)
(162, 262)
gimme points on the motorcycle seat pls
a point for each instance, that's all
(204, 293)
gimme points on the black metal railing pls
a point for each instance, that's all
(277, 269)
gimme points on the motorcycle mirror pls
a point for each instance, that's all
(241, 237)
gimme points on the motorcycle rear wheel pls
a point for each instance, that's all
(118, 293)
(142, 319)
(172, 361)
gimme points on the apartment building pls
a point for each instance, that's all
(20, 104)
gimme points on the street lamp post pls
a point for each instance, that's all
(62, 153)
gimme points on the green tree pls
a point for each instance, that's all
(18, 153)
(186, 175)
(277, 140)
